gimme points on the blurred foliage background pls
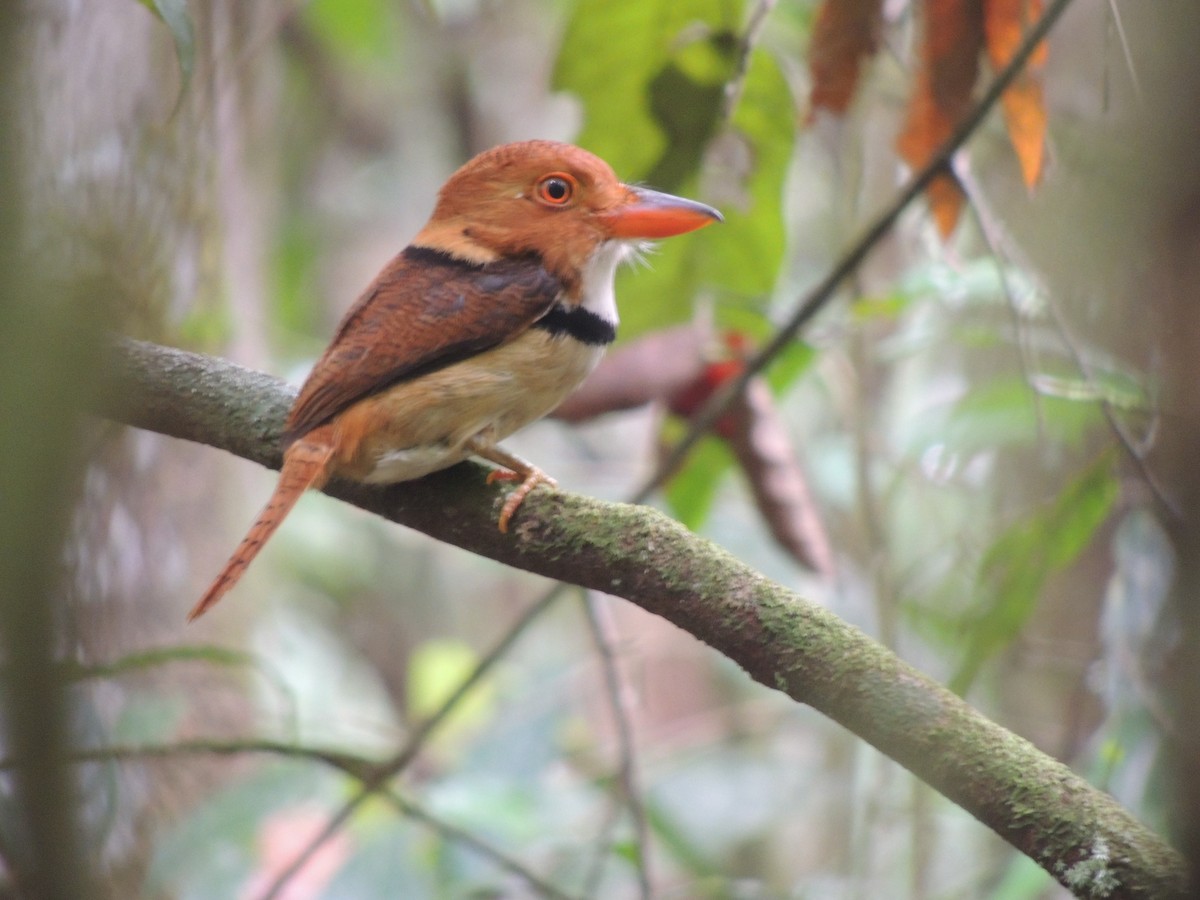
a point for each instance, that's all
(974, 420)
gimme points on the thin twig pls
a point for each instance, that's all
(352, 764)
(820, 295)
(750, 37)
(601, 629)
(392, 767)
(1119, 26)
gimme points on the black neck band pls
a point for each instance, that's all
(582, 324)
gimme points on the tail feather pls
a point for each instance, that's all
(305, 465)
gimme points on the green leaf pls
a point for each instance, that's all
(737, 262)
(174, 14)
(652, 76)
(685, 98)
(748, 250)
(612, 53)
(1015, 568)
(690, 494)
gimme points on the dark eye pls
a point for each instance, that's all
(556, 189)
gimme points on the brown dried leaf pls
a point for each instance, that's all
(952, 40)
(845, 32)
(1005, 24)
(764, 450)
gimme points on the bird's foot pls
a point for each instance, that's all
(513, 468)
(531, 479)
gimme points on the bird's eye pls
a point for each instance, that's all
(556, 189)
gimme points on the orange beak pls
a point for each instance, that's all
(651, 214)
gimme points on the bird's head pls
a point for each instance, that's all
(556, 201)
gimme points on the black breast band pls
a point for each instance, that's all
(582, 324)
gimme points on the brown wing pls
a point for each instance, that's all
(426, 310)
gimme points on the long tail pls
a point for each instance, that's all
(305, 465)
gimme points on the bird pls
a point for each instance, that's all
(497, 310)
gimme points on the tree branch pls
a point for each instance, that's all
(1076, 832)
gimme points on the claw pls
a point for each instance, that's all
(512, 469)
(517, 497)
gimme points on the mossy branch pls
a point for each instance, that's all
(1079, 834)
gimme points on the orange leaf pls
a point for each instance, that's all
(1025, 113)
(946, 200)
(1005, 24)
(952, 41)
(844, 33)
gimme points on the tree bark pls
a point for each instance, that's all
(1079, 834)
